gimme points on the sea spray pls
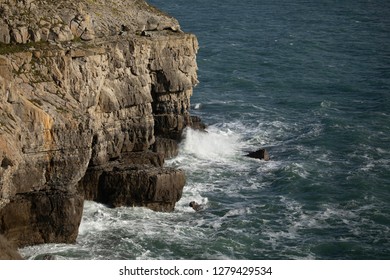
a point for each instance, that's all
(214, 144)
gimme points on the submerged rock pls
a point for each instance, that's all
(259, 154)
(196, 206)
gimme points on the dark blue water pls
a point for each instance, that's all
(310, 82)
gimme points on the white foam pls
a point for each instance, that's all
(215, 145)
(327, 104)
(33, 252)
(298, 169)
(381, 151)
(93, 218)
(238, 212)
(197, 106)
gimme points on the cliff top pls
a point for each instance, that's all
(25, 21)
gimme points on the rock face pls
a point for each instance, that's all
(94, 95)
(259, 154)
(7, 251)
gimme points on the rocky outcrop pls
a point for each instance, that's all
(155, 188)
(259, 154)
(136, 179)
(24, 21)
(94, 95)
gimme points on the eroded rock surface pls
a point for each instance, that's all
(94, 95)
(259, 154)
(8, 251)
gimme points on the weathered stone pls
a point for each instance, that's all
(8, 251)
(86, 20)
(168, 147)
(156, 188)
(259, 154)
(197, 123)
(87, 35)
(171, 125)
(151, 24)
(82, 26)
(88, 186)
(35, 35)
(60, 34)
(41, 217)
(44, 33)
(134, 185)
(16, 36)
(4, 34)
(196, 206)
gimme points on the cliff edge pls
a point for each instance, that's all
(94, 95)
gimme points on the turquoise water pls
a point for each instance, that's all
(308, 81)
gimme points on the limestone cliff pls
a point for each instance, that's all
(94, 95)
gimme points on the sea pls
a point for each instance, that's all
(309, 81)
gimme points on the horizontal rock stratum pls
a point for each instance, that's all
(94, 95)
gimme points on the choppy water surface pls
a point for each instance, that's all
(308, 81)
